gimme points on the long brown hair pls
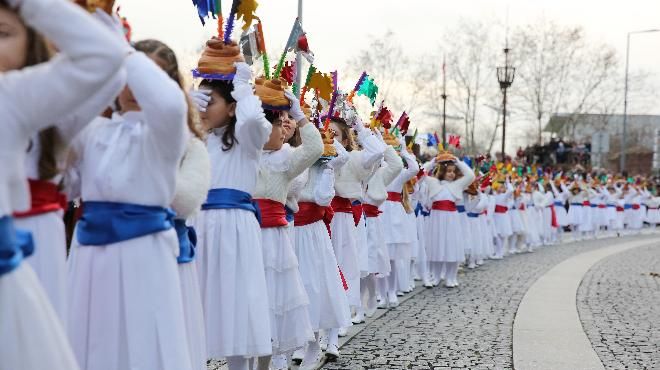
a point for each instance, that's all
(51, 144)
(441, 169)
(163, 52)
(345, 133)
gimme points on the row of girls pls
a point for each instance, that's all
(114, 129)
(258, 239)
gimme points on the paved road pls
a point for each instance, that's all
(619, 306)
(465, 328)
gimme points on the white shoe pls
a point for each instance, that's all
(279, 362)
(392, 300)
(312, 359)
(472, 265)
(343, 332)
(332, 353)
(428, 284)
(359, 317)
(399, 293)
(297, 356)
(323, 342)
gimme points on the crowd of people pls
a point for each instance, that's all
(234, 221)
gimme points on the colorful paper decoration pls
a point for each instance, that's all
(288, 72)
(322, 83)
(369, 89)
(246, 11)
(207, 8)
(455, 141)
(403, 123)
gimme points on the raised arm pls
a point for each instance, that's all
(393, 166)
(163, 104)
(413, 167)
(324, 189)
(311, 148)
(252, 127)
(372, 148)
(40, 96)
(468, 175)
(193, 180)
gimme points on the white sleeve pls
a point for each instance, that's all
(93, 106)
(324, 190)
(252, 127)
(413, 166)
(163, 104)
(393, 166)
(40, 96)
(468, 175)
(307, 153)
(372, 149)
(193, 180)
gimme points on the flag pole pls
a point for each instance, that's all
(299, 53)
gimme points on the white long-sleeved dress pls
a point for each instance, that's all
(348, 184)
(35, 337)
(229, 252)
(192, 184)
(132, 158)
(445, 242)
(288, 302)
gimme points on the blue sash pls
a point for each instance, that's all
(460, 208)
(289, 214)
(612, 205)
(559, 204)
(418, 209)
(576, 204)
(104, 223)
(14, 245)
(472, 215)
(627, 206)
(231, 199)
(187, 241)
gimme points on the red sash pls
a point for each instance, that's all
(45, 198)
(602, 206)
(370, 210)
(619, 209)
(635, 206)
(554, 222)
(341, 205)
(308, 213)
(586, 203)
(501, 209)
(343, 279)
(444, 205)
(272, 213)
(394, 197)
(522, 207)
(357, 212)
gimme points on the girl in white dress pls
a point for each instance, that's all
(517, 224)
(375, 195)
(288, 302)
(33, 337)
(125, 244)
(229, 250)
(348, 188)
(192, 185)
(444, 189)
(396, 227)
(504, 192)
(560, 198)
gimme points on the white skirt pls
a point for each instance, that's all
(49, 258)
(517, 225)
(487, 237)
(503, 224)
(290, 325)
(362, 246)
(232, 281)
(395, 223)
(193, 314)
(587, 222)
(125, 308)
(343, 239)
(379, 256)
(445, 243)
(31, 335)
(575, 212)
(328, 304)
(653, 216)
(464, 230)
(547, 222)
(562, 215)
(618, 222)
(473, 244)
(532, 219)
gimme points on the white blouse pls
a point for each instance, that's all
(37, 97)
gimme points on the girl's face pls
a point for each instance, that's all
(126, 99)
(288, 126)
(339, 133)
(276, 139)
(450, 173)
(218, 113)
(13, 41)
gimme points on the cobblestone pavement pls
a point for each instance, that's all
(619, 306)
(469, 327)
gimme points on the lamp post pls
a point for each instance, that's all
(622, 163)
(505, 77)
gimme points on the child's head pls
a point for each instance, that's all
(278, 134)
(447, 171)
(342, 133)
(221, 111)
(20, 45)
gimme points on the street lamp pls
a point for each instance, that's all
(505, 77)
(622, 163)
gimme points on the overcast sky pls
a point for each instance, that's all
(338, 29)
